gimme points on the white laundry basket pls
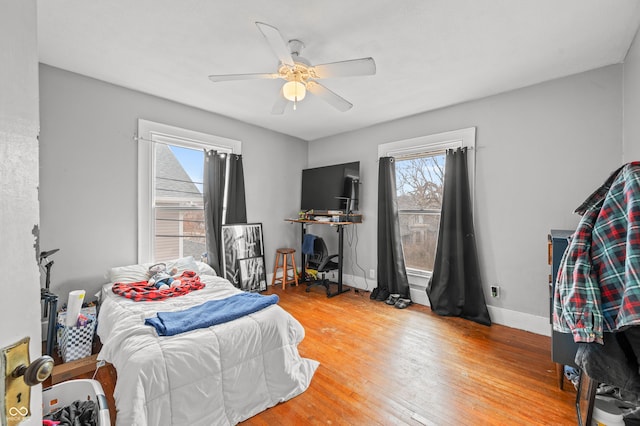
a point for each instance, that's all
(65, 393)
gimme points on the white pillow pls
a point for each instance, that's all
(205, 269)
(135, 273)
(182, 264)
(128, 274)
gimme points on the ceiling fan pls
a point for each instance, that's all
(300, 75)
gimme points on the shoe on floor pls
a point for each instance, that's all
(374, 293)
(402, 303)
(392, 299)
(383, 294)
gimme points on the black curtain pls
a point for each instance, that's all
(213, 194)
(455, 288)
(236, 202)
(392, 275)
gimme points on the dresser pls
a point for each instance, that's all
(563, 348)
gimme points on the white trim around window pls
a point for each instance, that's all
(149, 133)
(439, 142)
(436, 142)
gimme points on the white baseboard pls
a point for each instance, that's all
(357, 282)
(514, 319)
(520, 320)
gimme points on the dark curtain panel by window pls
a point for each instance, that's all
(236, 203)
(392, 274)
(213, 193)
(455, 288)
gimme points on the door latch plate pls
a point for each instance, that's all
(17, 400)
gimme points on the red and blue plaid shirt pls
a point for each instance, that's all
(598, 284)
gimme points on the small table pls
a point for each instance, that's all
(340, 226)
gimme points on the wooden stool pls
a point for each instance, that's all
(285, 279)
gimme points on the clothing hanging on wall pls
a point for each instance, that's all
(597, 296)
(598, 286)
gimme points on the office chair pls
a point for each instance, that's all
(321, 262)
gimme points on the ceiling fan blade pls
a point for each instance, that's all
(363, 66)
(328, 96)
(277, 43)
(230, 77)
(280, 104)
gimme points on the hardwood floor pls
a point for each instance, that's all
(385, 366)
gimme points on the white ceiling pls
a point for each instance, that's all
(429, 53)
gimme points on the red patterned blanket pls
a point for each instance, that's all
(141, 291)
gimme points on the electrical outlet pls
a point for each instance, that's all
(495, 291)
(372, 274)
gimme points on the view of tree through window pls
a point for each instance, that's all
(419, 183)
(179, 206)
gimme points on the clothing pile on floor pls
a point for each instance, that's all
(628, 403)
(79, 413)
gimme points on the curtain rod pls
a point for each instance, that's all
(137, 138)
(412, 152)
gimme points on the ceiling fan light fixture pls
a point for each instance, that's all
(294, 91)
(299, 74)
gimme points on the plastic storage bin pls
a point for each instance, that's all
(65, 393)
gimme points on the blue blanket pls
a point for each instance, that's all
(307, 243)
(210, 313)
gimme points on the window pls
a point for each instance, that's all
(178, 204)
(420, 168)
(170, 201)
(419, 184)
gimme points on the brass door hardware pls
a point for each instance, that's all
(19, 375)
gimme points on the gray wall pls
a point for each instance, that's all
(540, 152)
(88, 184)
(631, 147)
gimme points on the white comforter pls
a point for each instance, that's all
(219, 375)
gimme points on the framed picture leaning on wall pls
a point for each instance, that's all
(240, 241)
(253, 276)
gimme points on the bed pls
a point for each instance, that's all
(219, 375)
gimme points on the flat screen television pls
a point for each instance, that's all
(334, 187)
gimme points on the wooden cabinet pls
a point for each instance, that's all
(563, 348)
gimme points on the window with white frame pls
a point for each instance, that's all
(170, 200)
(420, 169)
(419, 186)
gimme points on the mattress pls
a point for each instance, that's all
(220, 375)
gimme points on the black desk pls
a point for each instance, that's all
(340, 227)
